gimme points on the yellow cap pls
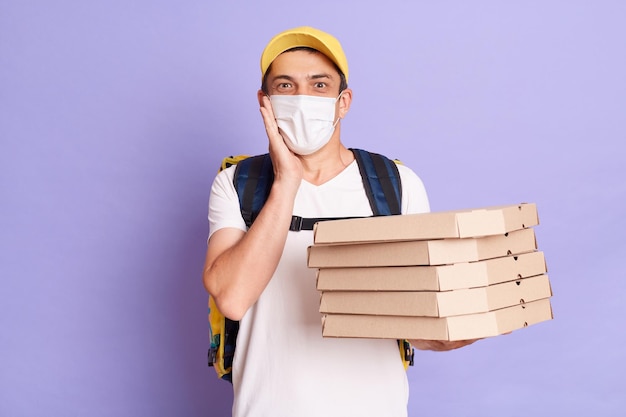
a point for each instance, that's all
(304, 36)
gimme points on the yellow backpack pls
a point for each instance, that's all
(253, 179)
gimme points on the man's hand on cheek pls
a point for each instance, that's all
(286, 165)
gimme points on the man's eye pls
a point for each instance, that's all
(284, 85)
(320, 85)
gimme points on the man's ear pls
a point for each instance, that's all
(344, 102)
(259, 96)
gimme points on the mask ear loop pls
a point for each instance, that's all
(336, 100)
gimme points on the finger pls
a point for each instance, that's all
(426, 344)
(462, 343)
(271, 127)
(441, 345)
(267, 105)
(268, 118)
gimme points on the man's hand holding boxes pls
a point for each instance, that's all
(453, 275)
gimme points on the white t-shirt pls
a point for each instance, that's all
(283, 367)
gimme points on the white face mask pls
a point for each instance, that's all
(306, 122)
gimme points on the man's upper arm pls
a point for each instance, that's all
(226, 226)
(220, 241)
(224, 210)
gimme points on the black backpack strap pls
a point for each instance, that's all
(381, 181)
(231, 329)
(253, 182)
(306, 223)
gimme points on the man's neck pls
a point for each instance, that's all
(327, 163)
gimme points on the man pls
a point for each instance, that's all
(282, 365)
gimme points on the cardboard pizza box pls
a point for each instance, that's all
(437, 303)
(487, 221)
(422, 252)
(432, 278)
(465, 327)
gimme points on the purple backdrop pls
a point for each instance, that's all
(115, 115)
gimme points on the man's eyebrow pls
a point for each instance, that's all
(283, 77)
(318, 76)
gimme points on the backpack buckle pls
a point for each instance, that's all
(296, 224)
(212, 355)
(409, 352)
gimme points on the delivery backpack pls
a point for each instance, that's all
(253, 180)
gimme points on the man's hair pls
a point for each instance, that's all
(343, 84)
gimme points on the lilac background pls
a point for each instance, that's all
(115, 115)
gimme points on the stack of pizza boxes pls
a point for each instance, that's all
(440, 276)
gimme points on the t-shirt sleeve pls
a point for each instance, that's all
(224, 204)
(414, 197)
